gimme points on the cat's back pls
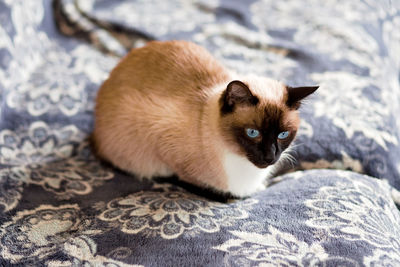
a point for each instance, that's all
(171, 68)
(162, 83)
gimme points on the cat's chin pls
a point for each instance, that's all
(263, 165)
(243, 176)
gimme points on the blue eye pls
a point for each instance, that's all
(252, 133)
(283, 135)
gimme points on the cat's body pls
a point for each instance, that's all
(166, 109)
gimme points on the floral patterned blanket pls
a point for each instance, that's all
(60, 206)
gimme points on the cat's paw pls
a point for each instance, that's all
(260, 188)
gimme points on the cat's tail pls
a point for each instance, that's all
(110, 37)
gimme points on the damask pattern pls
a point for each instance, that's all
(37, 233)
(46, 77)
(83, 251)
(275, 248)
(355, 211)
(170, 212)
(10, 189)
(61, 206)
(58, 159)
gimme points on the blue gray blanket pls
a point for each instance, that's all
(60, 206)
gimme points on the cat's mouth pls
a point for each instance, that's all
(264, 163)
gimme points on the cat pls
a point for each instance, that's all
(171, 108)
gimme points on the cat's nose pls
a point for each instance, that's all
(271, 155)
(269, 160)
(272, 149)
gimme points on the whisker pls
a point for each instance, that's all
(287, 157)
(295, 145)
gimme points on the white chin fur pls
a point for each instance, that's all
(244, 178)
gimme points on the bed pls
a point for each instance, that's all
(337, 205)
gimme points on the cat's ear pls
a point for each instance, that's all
(236, 93)
(296, 94)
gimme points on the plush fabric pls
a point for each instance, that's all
(60, 206)
(349, 48)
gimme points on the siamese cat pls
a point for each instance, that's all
(171, 108)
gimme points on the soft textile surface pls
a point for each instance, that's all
(60, 206)
(350, 48)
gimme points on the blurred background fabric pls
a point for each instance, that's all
(60, 206)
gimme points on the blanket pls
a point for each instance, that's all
(338, 205)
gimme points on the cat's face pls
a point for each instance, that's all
(260, 123)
